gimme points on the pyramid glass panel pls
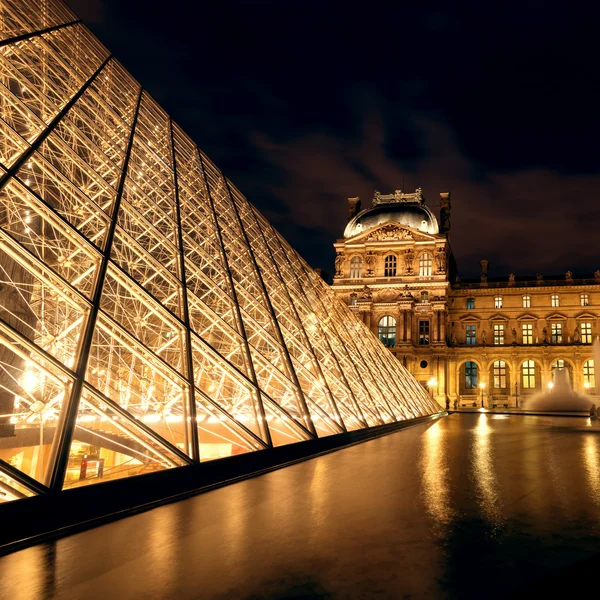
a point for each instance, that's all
(150, 316)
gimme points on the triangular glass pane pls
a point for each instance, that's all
(11, 489)
(107, 445)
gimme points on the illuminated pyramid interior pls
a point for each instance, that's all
(150, 317)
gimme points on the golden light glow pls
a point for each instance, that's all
(210, 333)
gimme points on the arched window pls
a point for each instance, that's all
(499, 374)
(471, 375)
(356, 267)
(387, 331)
(528, 374)
(589, 374)
(425, 264)
(390, 266)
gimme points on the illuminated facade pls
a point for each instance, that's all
(150, 317)
(496, 341)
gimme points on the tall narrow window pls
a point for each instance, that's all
(387, 331)
(470, 303)
(425, 264)
(423, 333)
(528, 373)
(556, 333)
(586, 333)
(589, 375)
(498, 302)
(471, 375)
(471, 335)
(555, 300)
(356, 267)
(499, 374)
(585, 299)
(424, 296)
(389, 269)
(527, 329)
(353, 299)
(558, 364)
(498, 333)
(526, 301)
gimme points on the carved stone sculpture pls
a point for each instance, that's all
(514, 335)
(366, 293)
(483, 337)
(441, 260)
(370, 261)
(409, 258)
(339, 262)
(576, 335)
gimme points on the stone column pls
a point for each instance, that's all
(434, 327)
(409, 324)
(443, 327)
(400, 328)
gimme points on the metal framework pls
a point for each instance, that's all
(150, 317)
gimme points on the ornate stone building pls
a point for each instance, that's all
(496, 341)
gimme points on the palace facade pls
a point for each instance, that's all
(489, 341)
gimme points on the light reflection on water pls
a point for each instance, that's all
(484, 471)
(444, 510)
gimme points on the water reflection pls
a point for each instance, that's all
(484, 471)
(591, 461)
(436, 475)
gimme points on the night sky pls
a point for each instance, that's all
(303, 104)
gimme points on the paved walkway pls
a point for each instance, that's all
(472, 506)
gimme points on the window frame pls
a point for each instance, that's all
(586, 336)
(424, 330)
(499, 375)
(471, 380)
(356, 265)
(556, 333)
(470, 303)
(554, 300)
(426, 264)
(526, 301)
(528, 375)
(589, 372)
(497, 301)
(471, 335)
(527, 333)
(584, 299)
(386, 332)
(390, 265)
(498, 330)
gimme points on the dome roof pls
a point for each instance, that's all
(417, 216)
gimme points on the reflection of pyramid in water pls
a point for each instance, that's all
(150, 317)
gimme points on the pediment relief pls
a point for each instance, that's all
(392, 231)
(586, 315)
(498, 318)
(469, 318)
(527, 317)
(556, 317)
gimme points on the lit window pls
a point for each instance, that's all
(555, 300)
(356, 267)
(589, 375)
(425, 264)
(387, 331)
(470, 303)
(556, 333)
(585, 299)
(527, 330)
(498, 302)
(424, 296)
(526, 301)
(499, 374)
(528, 373)
(390, 266)
(471, 334)
(353, 299)
(498, 333)
(471, 375)
(586, 333)
(423, 333)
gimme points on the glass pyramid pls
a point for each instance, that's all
(150, 317)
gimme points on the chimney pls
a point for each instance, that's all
(353, 207)
(445, 206)
(484, 271)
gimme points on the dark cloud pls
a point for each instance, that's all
(304, 105)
